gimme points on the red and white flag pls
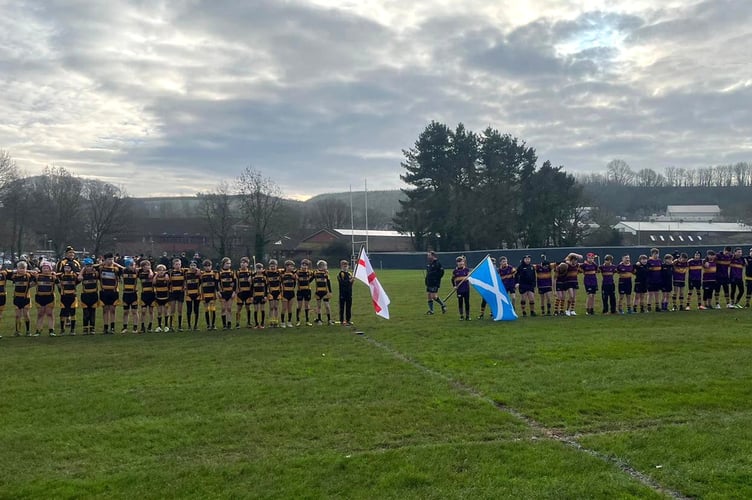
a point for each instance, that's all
(364, 272)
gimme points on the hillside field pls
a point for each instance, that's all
(638, 406)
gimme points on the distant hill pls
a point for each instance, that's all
(384, 204)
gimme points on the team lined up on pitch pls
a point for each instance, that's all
(650, 284)
(157, 297)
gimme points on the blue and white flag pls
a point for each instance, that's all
(487, 282)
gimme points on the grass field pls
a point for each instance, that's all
(641, 406)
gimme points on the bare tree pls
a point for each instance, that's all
(216, 208)
(58, 206)
(107, 210)
(15, 203)
(619, 173)
(331, 213)
(260, 198)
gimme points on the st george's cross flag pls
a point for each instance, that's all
(487, 282)
(364, 272)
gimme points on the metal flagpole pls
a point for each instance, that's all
(454, 289)
(365, 182)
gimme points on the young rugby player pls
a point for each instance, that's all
(323, 287)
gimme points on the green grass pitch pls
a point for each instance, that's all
(639, 406)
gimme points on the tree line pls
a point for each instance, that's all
(471, 190)
(619, 173)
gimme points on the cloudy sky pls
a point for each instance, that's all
(172, 97)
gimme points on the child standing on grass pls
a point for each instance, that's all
(345, 281)
(608, 287)
(625, 269)
(162, 296)
(434, 273)
(641, 282)
(259, 288)
(323, 291)
(45, 298)
(289, 282)
(89, 279)
(23, 280)
(68, 283)
(459, 281)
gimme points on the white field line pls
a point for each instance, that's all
(555, 435)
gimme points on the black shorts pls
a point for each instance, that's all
(275, 294)
(544, 290)
(108, 297)
(90, 299)
(288, 294)
(572, 285)
(667, 287)
(226, 296)
(738, 283)
(177, 296)
(695, 284)
(321, 294)
(21, 302)
(192, 297)
(67, 301)
(608, 288)
(640, 288)
(44, 300)
(722, 279)
(245, 296)
(510, 289)
(679, 284)
(654, 287)
(429, 289)
(561, 286)
(259, 299)
(591, 289)
(2, 300)
(527, 289)
(713, 286)
(306, 294)
(161, 301)
(147, 299)
(130, 300)
(625, 288)
(209, 299)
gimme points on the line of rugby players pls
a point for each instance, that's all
(650, 284)
(164, 292)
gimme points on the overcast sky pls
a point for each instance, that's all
(172, 97)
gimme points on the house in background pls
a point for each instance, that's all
(378, 241)
(692, 213)
(673, 233)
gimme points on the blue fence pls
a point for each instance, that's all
(417, 260)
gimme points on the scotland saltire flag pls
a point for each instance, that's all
(487, 282)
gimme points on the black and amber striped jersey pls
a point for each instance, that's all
(46, 284)
(3, 280)
(147, 281)
(321, 281)
(192, 282)
(68, 283)
(305, 276)
(177, 280)
(22, 284)
(274, 280)
(209, 284)
(244, 280)
(259, 284)
(162, 286)
(89, 281)
(289, 281)
(109, 277)
(130, 280)
(227, 280)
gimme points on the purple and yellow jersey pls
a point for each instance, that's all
(608, 271)
(458, 279)
(680, 271)
(507, 276)
(590, 272)
(709, 271)
(695, 269)
(722, 264)
(626, 272)
(573, 272)
(654, 271)
(543, 275)
(737, 269)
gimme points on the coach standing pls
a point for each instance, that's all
(434, 273)
(69, 260)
